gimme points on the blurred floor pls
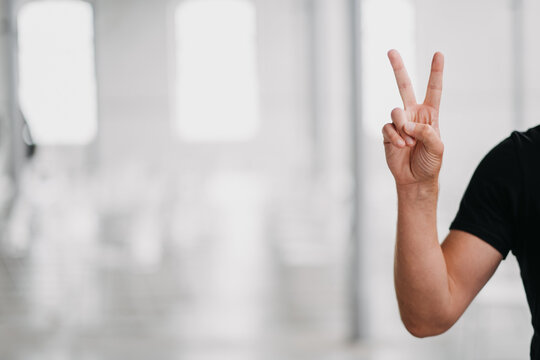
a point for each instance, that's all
(87, 275)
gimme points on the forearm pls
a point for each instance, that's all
(421, 277)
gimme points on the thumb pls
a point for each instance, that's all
(426, 134)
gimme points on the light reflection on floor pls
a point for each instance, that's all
(102, 277)
(217, 271)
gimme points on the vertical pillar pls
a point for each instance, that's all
(5, 61)
(314, 86)
(357, 319)
(518, 63)
(7, 81)
(7, 87)
(11, 143)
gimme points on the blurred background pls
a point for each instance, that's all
(205, 179)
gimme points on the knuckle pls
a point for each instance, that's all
(426, 130)
(404, 85)
(396, 118)
(425, 115)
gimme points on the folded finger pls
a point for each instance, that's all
(427, 135)
(400, 119)
(391, 136)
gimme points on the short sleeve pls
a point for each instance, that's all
(489, 207)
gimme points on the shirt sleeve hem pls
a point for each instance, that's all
(483, 234)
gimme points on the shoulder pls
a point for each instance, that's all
(526, 142)
(500, 164)
(492, 204)
(507, 159)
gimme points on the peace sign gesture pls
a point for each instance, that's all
(412, 141)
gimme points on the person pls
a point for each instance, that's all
(499, 213)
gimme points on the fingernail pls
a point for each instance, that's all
(410, 126)
(409, 140)
(401, 142)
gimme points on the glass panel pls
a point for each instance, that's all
(216, 81)
(57, 71)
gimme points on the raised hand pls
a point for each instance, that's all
(412, 141)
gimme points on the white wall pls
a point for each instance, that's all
(531, 61)
(133, 82)
(476, 113)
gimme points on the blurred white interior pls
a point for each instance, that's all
(191, 195)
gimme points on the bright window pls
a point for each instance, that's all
(216, 72)
(57, 71)
(383, 30)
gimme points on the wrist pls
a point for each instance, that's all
(428, 190)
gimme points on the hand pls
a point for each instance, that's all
(412, 141)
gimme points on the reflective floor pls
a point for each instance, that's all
(87, 275)
(100, 271)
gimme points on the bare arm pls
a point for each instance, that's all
(434, 283)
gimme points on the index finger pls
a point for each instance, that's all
(434, 90)
(402, 79)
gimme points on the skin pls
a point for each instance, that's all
(434, 283)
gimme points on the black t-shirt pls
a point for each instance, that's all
(502, 207)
